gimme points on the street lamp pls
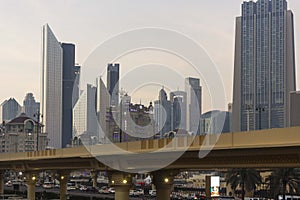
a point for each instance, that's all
(37, 115)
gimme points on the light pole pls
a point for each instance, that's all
(37, 115)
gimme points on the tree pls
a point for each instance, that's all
(284, 180)
(246, 179)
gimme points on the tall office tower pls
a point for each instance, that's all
(113, 83)
(52, 62)
(162, 114)
(76, 86)
(70, 71)
(264, 68)
(194, 104)
(30, 106)
(84, 113)
(102, 107)
(9, 109)
(178, 113)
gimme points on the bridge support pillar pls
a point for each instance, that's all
(31, 179)
(94, 178)
(1, 182)
(63, 180)
(122, 183)
(163, 181)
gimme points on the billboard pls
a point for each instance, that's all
(215, 186)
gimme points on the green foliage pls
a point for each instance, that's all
(246, 179)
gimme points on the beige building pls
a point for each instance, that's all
(22, 134)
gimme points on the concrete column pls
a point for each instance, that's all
(31, 181)
(1, 182)
(122, 182)
(163, 181)
(63, 180)
(94, 178)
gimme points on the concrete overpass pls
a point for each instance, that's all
(163, 157)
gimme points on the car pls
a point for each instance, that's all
(103, 190)
(83, 188)
(111, 190)
(152, 193)
(48, 185)
(8, 184)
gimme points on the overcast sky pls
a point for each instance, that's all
(89, 23)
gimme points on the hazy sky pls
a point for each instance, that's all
(89, 23)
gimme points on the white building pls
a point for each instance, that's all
(84, 113)
(52, 87)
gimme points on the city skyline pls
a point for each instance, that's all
(218, 40)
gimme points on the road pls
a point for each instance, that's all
(73, 193)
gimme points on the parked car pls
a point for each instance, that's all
(111, 190)
(103, 190)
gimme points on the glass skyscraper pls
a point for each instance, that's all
(264, 71)
(113, 71)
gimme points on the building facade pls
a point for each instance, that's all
(178, 113)
(295, 108)
(102, 108)
(194, 104)
(52, 61)
(60, 88)
(22, 134)
(9, 109)
(84, 114)
(264, 71)
(215, 122)
(30, 106)
(113, 73)
(70, 71)
(162, 114)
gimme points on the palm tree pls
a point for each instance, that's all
(283, 180)
(246, 179)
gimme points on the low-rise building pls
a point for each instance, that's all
(22, 134)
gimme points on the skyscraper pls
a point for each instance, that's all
(178, 113)
(30, 106)
(60, 88)
(70, 71)
(52, 61)
(194, 104)
(113, 83)
(84, 113)
(9, 109)
(102, 107)
(264, 71)
(162, 114)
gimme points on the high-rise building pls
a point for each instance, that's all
(194, 104)
(30, 106)
(162, 114)
(102, 108)
(178, 113)
(84, 113)
(113, 83)
(9, 109)
(52, 61)
(70, 71)
(60, 88)
(264, 71)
